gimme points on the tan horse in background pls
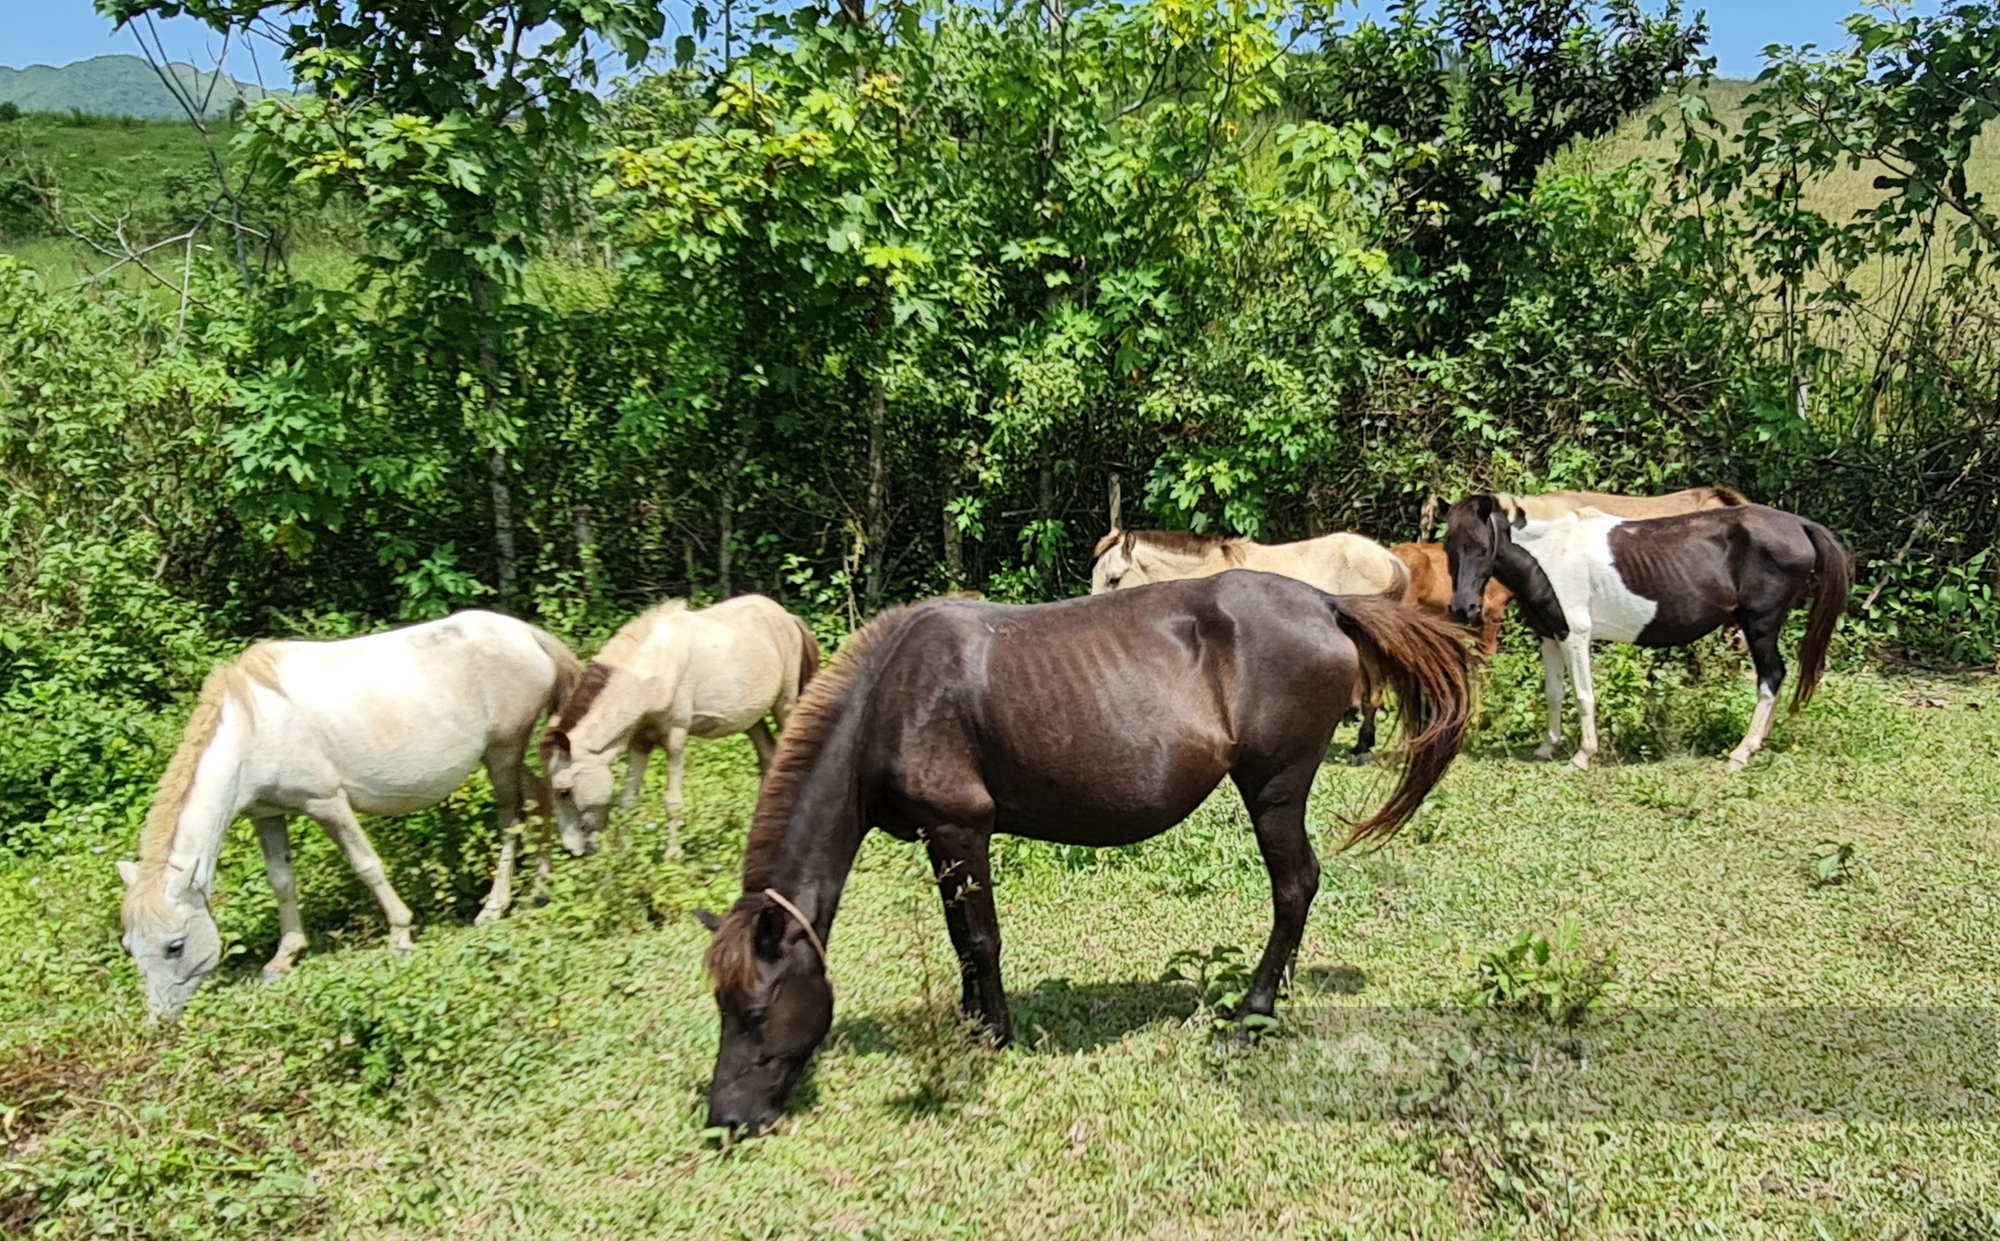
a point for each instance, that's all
(1339, 564)
(389, 723)
(669, 674)
(1553, 504)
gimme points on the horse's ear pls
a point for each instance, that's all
(709, 920)
(554, 742)
(128, 872)
(768, 934)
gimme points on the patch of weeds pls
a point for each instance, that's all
(1958, 1221)
(1837, 862)
(1553, 979)
(950, 1051)
(183, 1182)
(397, 1031)
(1221, 979)
(1501, 1166)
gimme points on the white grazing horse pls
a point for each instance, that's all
(669, 674)
(385, 724)
(1339, 564)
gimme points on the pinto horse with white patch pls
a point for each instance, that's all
(1586, 575)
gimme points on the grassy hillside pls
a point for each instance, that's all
(1785, 1051)
(118, 86)
(1838, 195)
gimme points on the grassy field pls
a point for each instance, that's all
(1796, 1038)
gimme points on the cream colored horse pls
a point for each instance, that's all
(1339, 564)
(385, 724)
(669, 674)
(1551, 505)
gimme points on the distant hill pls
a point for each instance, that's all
(117, 86)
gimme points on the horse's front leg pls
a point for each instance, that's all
(1552, 683)
(1277, 806)
(277, 842)
(1576, 653)
(965, 884)
(637, 751)
(337, 817)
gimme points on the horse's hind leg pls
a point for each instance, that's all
(1552, 678)
(1762, 634)
(965, 885)
(277, 842)
(337, 817)
(1278, 808)
(504, 767)
(760, 740)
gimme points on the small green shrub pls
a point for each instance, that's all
(1837, 862)
(1221, 979)
(1554, 980)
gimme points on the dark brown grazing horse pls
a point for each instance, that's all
(1096, 721)
(1586, 576)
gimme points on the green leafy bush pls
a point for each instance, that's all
(1551, 979)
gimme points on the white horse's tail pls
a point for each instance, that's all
(569, 670)
(808, 654)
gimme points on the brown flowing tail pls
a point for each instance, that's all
(1836, 580)
(1426, 663)
(808, 654)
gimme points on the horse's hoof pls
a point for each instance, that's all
(401, 943)
(1361, 758)
(1734, 765)
(1544, 753)
(487, 916)
(268, 975)
(1581, 762)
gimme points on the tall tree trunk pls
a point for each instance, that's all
(1115, 502)
(1045, 502)
(496, 455)
(954, 547)
(878, 487)
(586, 549)
(725, 520)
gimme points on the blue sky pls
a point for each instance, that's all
(56, 32)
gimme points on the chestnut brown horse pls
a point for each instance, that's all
(1430, 591)
(1096, 721)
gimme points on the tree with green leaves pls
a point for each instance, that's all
(456, 126)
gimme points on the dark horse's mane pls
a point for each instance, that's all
(1185, 542)
(730, 960)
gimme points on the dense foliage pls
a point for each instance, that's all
(851, 304)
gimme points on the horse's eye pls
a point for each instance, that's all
(754, 1016)
(174, 949)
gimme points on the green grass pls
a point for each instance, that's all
(545, 1076)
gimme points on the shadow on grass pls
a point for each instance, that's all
(1057, 1015)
